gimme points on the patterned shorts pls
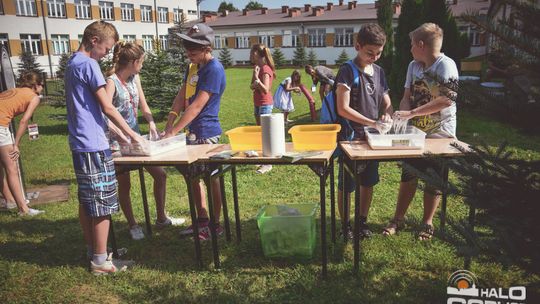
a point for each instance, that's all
(97, 183)
(193, 140)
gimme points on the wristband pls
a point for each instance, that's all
(173, 113)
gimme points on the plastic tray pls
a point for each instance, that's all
(314, 137)
(150, 148)
(412, 139)
(245, 138)
(288, 234)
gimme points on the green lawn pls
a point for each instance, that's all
(41, 259)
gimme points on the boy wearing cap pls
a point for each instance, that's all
(200, 115)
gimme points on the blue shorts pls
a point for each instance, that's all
(267, 109)
(368, 178)
(409, 168)
(97, 183)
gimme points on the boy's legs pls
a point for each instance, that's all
(431, 202)
(160, 189)
(407, 190)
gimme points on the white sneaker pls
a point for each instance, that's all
(110, 266)
(31, 212)
(10, 205)
(136, 233)
(264, 168)
(171, 221)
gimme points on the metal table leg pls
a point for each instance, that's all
(212, 224)
(322, 171)
(224, 206)
(112, 237)
(332, 201)
(145, 202)
(444, 197)
(356, 221)
(236, 208)
(188, 177)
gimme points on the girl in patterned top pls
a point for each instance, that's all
(124, 87)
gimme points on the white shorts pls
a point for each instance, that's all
(5, 136)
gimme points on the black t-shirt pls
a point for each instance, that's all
(367, 97)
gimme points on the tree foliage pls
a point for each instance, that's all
(226, 6)
(27, 63)
(253, 5)
(300, 56)
(62, 64)
(279, 57)
(343, 57)
(385, 13)
(225, 57)
(312, 58)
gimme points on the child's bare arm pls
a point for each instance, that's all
(387, 108)
(191, 112)
(177, 107)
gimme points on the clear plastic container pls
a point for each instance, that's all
(245, 138)
(150, 148)
(288, 230)
(412, 139)
(314, 137)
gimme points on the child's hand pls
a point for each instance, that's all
(137, 139)
(403, 115)
(154, 135)
(14, 154)
(256, 71)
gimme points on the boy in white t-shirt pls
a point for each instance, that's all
(429, 101)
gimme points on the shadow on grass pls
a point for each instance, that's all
(48, 181)
(59, 129)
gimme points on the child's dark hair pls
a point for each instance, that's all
(295, 78)
(371, 34)
(308, 68)
(30, 79)
(100, 29)
(123, 54)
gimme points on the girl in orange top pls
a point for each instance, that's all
(13, 102)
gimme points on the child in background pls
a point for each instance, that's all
(429, 101)
(324, 76)
(125, 90)
(86, 101)
(261, 84)
(367, 104)
(13, 102)
(202, 116)
(283, 97)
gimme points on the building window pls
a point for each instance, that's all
(82, 9)
(128, 12)
(26, 8)
(60, 44)
(56, 8)
(191, 12)
(290, 38)
(106, 10)
(129, 38)
(31, 43)
(266, 38)
(163, 15)
(148, 42)
(344, 36)
(316, 37)
(4, 42)
(220, 41)
(146, 13)
(242, 40)
(164, 42)
(178, 15)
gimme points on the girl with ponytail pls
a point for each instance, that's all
(124, 87)
(261, 84)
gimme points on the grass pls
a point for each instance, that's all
(41, 259)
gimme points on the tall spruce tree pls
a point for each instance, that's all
(62, 64)
(385, 13)
(343, 57)
(225, 57)
(27, 63)
(409, 19)
(312, 58)
(299, 57)
(279, 57)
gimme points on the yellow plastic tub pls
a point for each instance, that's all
(314, 137)
(245, 138)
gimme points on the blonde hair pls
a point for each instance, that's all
(30, 79)
(123, 54)
(429, 33)
(101, 29)
(264, 52)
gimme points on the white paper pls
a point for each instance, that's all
(273, 134)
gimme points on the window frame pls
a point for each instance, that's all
(57, 43)
(105, 8)
(162, 14)
(26, 4)
(148, 42)
(83, 8)
(164, 42)
(127, 12)
(146, 13)
(177, 14)
(220, 42)
(344, 39)
(241, 40)
(127, 38)
(318, 39)
(58, 6)
(5, 42)
(32, 42)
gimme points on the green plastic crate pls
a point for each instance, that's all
(288, 234)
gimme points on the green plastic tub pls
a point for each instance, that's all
(288, 230)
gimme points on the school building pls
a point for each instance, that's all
(327, 30)
(53, 27)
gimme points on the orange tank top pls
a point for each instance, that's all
(14, 102)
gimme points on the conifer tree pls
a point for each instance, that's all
(300, 57)
(27, 63)
(343, 57)
(279, 57)
(385, 13)
(312, 58)
(62, 64)
(225, 57)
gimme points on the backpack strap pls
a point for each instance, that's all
(356, 84)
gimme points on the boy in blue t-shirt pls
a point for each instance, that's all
(367, 104)
(86, 101)
(201, 114)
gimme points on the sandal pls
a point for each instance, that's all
(426, 233)
(393, 227)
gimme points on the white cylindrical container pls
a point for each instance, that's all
(273, 134)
